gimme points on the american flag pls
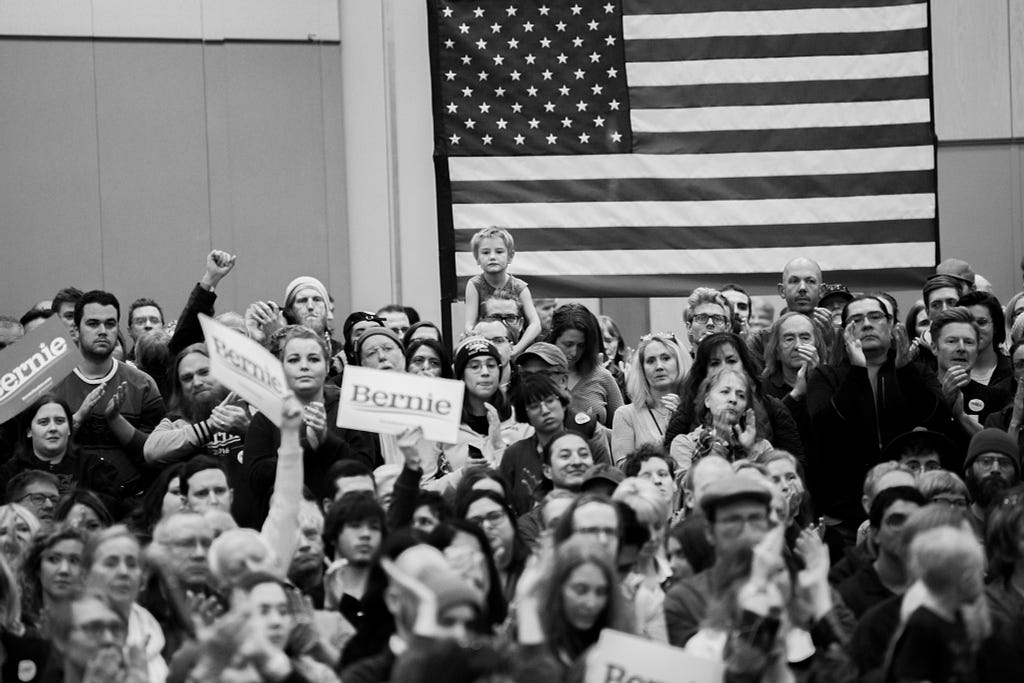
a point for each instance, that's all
(643, 147)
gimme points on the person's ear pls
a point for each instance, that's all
(708, 535)
(231, 497)
(546, 469)
(782, 290)
(865, 503)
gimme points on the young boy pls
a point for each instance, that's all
(493, 250)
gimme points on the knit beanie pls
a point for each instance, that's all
(992, 440)
(472, 348)
(304, 282)
(373, 332)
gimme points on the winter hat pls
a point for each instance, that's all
(305, 282)
(472, 348)
(992, 440)
(373, 332)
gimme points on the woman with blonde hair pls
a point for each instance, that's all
(17, 527)
(726, 419)
(654, 383)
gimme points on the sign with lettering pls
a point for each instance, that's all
(246, 368)
(624, 658)
(388, 402)
(35, 364)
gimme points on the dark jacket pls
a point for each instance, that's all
(77, 469)
(263, 440)
(851, 426)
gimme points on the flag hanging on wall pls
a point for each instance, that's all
(644, 147)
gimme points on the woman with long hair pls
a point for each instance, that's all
(641, 585)
(492, 514)
(488, 426)
(113, 566)
(429, 357)
(468, 551)
(17, 527)
(579, 598)
(82, 509)
(724, 410)
(654, 381)
(576, 331)
(774, 421)
(161, 498)
(51, 573)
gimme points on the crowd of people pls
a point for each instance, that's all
(830, 495)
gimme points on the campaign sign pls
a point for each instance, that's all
(35, 364)
(246, 368)
(388, 402)
(624, 658)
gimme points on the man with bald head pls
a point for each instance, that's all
(800, 288)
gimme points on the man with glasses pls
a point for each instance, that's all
(858, 405)
(708, 311)
(737, 509)
(90, 635)
(920, 451)
(36, 490)
(992, 466)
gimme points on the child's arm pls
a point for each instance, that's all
(472, 307)
(533, 328)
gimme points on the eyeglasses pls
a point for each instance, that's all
(662, 335)
(874, 317)
(507, 318)
(39, 499)
(703, 318)
(732, 526)
(492, 518)
(423, 361)
(989, 462)
(498, 340)
(96, 629)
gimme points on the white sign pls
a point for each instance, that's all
(246, 368)
(623, 658)
(35, 364)
(388, 402)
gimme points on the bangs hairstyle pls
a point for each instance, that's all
(610, 326)
(493, 231)
(957, 314)
(300, 332)
(864, 297)
(995, 313)
(444, 356)
(533, 389)
(772, 364)
(578, 317)
(352, 508)
(29, 417)
(911, 320)
(636, 380)
(95, 540)
(701, 412)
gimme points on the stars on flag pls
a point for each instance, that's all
(550, 60)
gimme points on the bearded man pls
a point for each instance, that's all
(204, 419)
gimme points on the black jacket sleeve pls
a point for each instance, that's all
(188, 330)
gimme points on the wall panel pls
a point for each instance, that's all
(972, 69)
(49, 183)
(152, 161)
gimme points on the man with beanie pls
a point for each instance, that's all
(991, 467)
(307, 303)
(380, 348)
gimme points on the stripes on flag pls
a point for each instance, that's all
(757, 130)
